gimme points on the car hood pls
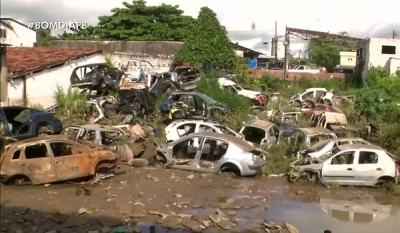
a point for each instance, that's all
(249, 93)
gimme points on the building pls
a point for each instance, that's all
(16, 33)
(378, 52)
(246, 52)
(280, 50)
(347, 62)
(36, 72)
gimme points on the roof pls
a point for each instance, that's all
(314, 130)
(41, 138)
(260, 123)
(24, 60)
(15, 21)
(323, 34)
(360, 146)
(239, 47)
(338, 140)
(6, 24)
(237, 141)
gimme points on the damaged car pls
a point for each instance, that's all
(181, 128)
(98, 134)
(50, 159)
(139, 102)
(212, 152)
(192, 104)
(186, 77)
(308, 94)
(352, 164)
(257, 97)
(98, 77)
(22, 122)
(260, 133)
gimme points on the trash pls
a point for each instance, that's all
(81, 191)
(122, 229)
(82, 211)
(46, 185)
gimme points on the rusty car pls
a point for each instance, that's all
(352, 164)
(98, 134)
(52, 158)
(212, 152)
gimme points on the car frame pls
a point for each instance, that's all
(270, 135)
(53, 165)
(297, 144)
(239, 157)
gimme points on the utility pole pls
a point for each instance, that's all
(286, 62)
(394, 34)
(276, 43)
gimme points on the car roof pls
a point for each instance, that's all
(260, 123)
(93, 64)
(235, 140)
(42, 138)
(315, 130)
(360, 146)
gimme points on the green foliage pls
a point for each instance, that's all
(137, 21)
(43, 37)
(239, 106)
(208, 41)
(37, 106)
(109, 60)
(324, 54)
(70, 105)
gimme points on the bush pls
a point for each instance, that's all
(71, 105)
(239, 106)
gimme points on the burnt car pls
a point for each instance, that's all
(139, 102)
(52, 158)
(201, 105)
(99, 77)
(23, 122)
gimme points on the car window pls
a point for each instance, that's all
(345, 158)
(186, 149)
(206, 128)
(36, 151)
(63, 149)
(212, 151)
(368, 157)
(343, 143)
(16, 155)
(271, 132)
(186, 129)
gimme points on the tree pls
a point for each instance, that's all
(207, 42)
(137, 21)
(43, 37)
(324, 53)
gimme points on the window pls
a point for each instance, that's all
(349, 59)
(16, 155)
(343, 143)
(205, 128)
(388, 49)
(36, 151)
(62, 149)
(345, 158)
(253, 134)
(186, 129)
(301, 68)
(186, 149)
(3, 33)
(212, 152)
(368, 157)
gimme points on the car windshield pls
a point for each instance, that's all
(207, 99)
(319, 145)
(319, 137)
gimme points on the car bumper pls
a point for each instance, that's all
(252, 169)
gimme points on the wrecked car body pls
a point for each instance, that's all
(352, 164)
(212, 152)
(186, 77)
(136, 69)
(308, 94)
(139, 102)
(98, 134)
(260, 133)
(194, 105)
(97, 76)
(258, 98)
(51, 159)
(279, 117)
(22, 122)
(181, 128)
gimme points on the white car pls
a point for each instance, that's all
(180, 128)
(237, 89)
(310, 93)
(352, 164)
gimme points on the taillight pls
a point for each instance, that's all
(261, 99)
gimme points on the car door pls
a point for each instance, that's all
(367, 169)
(71, 160)
(340, 168)
(186, 154)
(39, 163)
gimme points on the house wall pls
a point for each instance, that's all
(348, 58)
(40, 86)
(395, 65)
(280, 49)
(3, 76)
(20, 35)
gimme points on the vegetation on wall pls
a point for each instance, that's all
(207, 42)
(43, 37)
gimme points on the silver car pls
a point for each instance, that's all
(212, 152)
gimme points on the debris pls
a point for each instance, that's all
(226, 225)
(300, 192)
(46, 185)
(291, 228)
(151, 177)
(216, 218)
(190, 176)
(122, 229)
(82, 210)
(178, 195)
(191, 224)
(162, 215)
(172, 222)
(81, 191)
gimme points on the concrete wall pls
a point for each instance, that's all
(20, 35)
(40, 86)
(348, 58)
(394, 65)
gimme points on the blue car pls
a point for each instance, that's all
(22, 122)
(202, 104)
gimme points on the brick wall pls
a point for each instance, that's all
(292, 75)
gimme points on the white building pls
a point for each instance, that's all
(378, 52)
(37, 71)
(16, 33)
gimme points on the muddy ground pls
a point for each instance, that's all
(168, 198)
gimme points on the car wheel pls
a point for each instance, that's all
(109, 110)
(230, 167)
(43, 130)
(386, 184)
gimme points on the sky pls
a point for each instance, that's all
(373, 18)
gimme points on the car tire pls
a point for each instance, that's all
(109, 110)
(43, 130)
(230, 167)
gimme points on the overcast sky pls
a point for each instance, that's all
(373, 18)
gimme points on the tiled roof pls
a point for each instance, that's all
(22, 60)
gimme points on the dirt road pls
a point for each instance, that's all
(169, 198)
